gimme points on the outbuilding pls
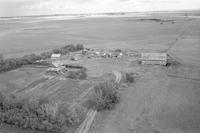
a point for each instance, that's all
(154, 58)
(56, 60)
(55, 56)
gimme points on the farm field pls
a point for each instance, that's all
(17, 79)
(30, 81)
(162, 99)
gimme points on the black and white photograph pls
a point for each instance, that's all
(99, 66)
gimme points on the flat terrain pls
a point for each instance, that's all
(155, 103)
(162, 99)
(29, 81)
(19, 37)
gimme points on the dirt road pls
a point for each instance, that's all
(118, 76)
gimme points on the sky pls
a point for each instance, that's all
(42, 7)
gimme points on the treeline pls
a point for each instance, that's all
(13, 63)
(69, 48)
(37, 114)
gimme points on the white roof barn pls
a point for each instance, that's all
(57, 63)
(97, 53)
(56, 60)
(54, 56)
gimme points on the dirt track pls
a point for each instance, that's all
(117, 75)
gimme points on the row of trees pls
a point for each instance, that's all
(13, 63)
(69, 48)
(36, 114)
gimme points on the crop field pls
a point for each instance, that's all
(17, 79)
(29, 81)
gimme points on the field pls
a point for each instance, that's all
(161, 100)
(17, 79)
(19, 37)
(29, 81)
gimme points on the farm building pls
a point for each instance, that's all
(57, 70)
(154, 58)
(56, 60)
(76, 56)
(117, 54)
(55, 56)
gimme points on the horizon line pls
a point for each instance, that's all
(122, 12)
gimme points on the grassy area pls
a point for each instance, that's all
(20, 78)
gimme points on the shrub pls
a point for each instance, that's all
(129, 77)
(79, 47)
(30, 59)
(56, 51)
(118, 50)
(69, 48)
(1, 57)
(45, 55)
(105, 96)
(75, 67)
(79, 74)
(2, 98)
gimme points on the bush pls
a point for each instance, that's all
(129, 77)
(75, 67)
(1, 57)
(56, 51)
(45, 55)
(79, 47)
(105, 96)
(2, 98)
(30, 59)
(79, 74)
(118, 50)
(69, 48)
